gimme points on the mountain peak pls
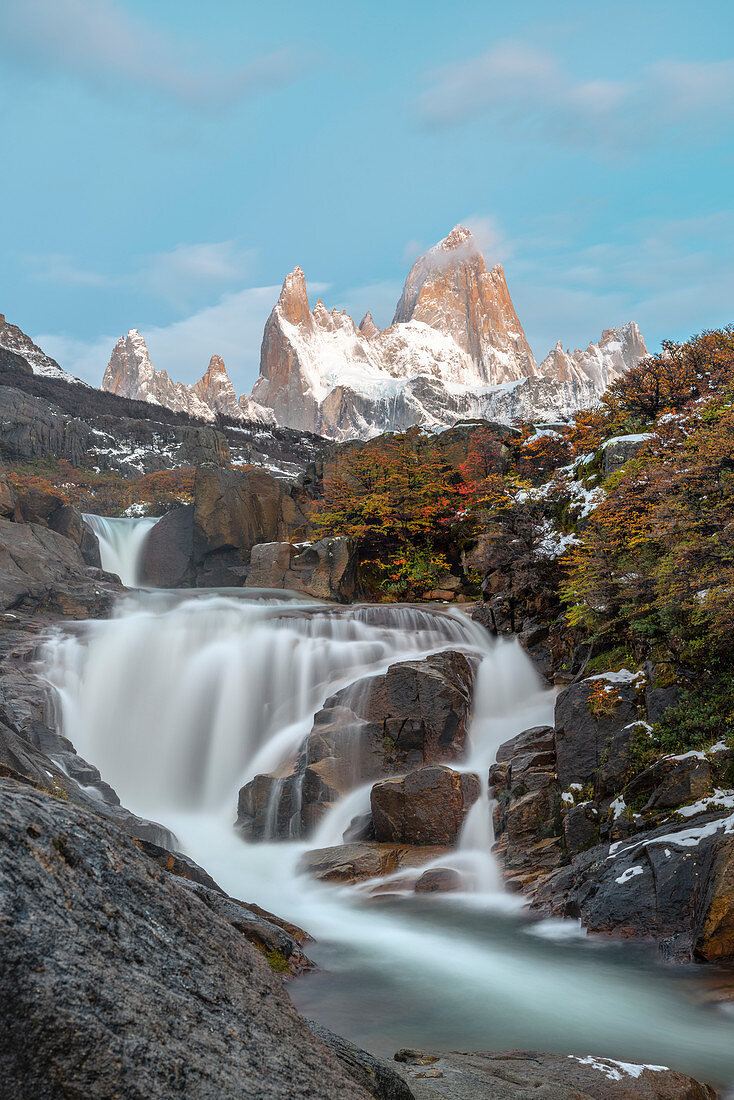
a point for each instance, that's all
(367, 326)
(459, 237)
(293, 302)
(450, 289)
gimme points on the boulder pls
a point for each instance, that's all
(356, 862)
(426, 806)
(671, 781)
(42, 569)
(235, 509)
(68, 521)
(35, 506)
(671, 885)
(502, 1075)
(593, 739)
(168, 550)
(374, 1075)
(527, 816)
(414, 714)
(323, 569)
(118, 980)
(439, 880)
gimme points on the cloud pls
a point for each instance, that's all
(61, 270)
(528, 93)
(102, 45)
(672, 276)
(181, 277)
(233, 328)
(186, 273)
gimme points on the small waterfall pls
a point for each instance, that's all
(121, 544)
(229, 685)
(183, 697)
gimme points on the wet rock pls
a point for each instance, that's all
(68, 521)
(594, 722)
(414, 714)
(360, 828)
(527, 815)
(439, 880)
(168, 550)
(671, 885)
(323, 569)
(120, 981)
(502, 1075)
(426, 806)
(374, 1075)
(42, 569)
(356, 862)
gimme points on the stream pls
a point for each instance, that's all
(184, 696)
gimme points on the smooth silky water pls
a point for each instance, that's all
(182, 697)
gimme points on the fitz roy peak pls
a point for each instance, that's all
(455, 350)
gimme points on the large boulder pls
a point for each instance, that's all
(426, 806)
(168, 550)
(235, 509)
(117, 980)
(40, 569)
(594, 721)
(209, 544)
(414, 714)
(671, 885)
(323, 569)
(520, 1074)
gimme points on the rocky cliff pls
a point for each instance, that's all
(130, 373)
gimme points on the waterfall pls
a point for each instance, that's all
(230, 685)
(121, 544)
(182, 697)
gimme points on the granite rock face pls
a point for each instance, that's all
(119, 981)
(521, 1074)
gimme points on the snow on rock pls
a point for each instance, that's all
(631, 872)
(14, 339)
(455, 350)
(130, 373)
(614, 1070)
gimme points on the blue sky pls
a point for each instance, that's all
(167, 162)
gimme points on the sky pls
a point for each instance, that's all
(167, 162)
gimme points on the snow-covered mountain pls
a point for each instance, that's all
(130, 373)
(14, 339)
(455, 350)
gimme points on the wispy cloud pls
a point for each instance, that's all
(183, 277)
(527, 92)
(232, 328)
(101, 44)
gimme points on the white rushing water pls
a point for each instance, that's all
(121, 544)
(183, 697)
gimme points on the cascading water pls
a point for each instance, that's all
(121, 544)
(183, 697)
